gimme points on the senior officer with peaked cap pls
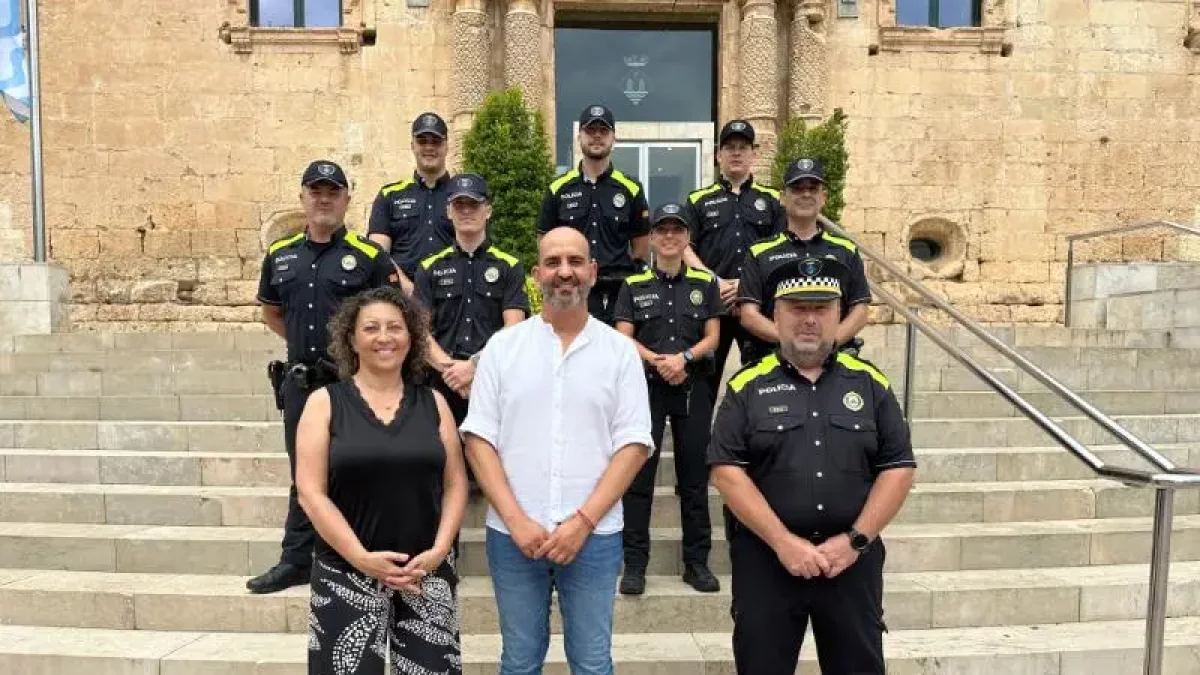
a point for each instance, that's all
(813, 456)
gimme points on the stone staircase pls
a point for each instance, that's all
(143, 479)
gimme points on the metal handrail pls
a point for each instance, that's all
(1071, 239)
(1165, 481)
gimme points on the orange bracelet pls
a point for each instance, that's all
(591, 523)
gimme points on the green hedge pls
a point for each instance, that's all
(826, 141)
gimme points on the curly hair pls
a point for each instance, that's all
(341, 332)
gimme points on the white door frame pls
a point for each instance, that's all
(663, 133)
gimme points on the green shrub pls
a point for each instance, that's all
(825, 141)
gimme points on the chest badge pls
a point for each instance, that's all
(619, 200)
(696, 297)
(491, 275)
(349, 262)
(852, 401)
(760, 204)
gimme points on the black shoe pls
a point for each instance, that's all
(633, 582)
(699, 577)
(279, 577)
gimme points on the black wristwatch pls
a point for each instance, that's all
(688, 356)
(858, 541)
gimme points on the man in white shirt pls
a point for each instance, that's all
(559, 425)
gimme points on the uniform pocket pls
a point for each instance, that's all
(852, 442)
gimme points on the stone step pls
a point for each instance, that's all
(911, 601)
(981, 502)
(160, 436)
(911, 547)
(250, 469)
(1108, 647)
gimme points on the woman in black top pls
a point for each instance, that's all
(380, 473)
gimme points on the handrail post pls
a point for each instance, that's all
(1067, 290)
(1160, 567)
(910, 364)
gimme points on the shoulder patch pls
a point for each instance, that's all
(639, 277)
(628, 182)
(767, 244)
(286, 241)
(369, 249)
(428, 261)
(766, 189)
(840, 241)
(753, 371)
(558, 183)
(698, 274)
(511, 260)
(860, 365)
(697, 195)
(395, 187)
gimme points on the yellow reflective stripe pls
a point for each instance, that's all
(844, 243)
(698, 274)
(639, 277)
(629, 184)
(367, 249)
(854, 364)
(763, 188)
(511, 260)
(764, 366)
(428, 262)
(395, 187)
(286, 241)
(563, 180)
(697, 195)
(762, 246)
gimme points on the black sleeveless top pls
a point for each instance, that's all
(386, 479)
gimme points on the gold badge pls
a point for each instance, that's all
(852, 401)
(349, 262)
(696, 297)
(491, 275)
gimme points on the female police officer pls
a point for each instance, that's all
(812, 454)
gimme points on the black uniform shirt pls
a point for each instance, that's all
(467, 295)
(725, 224)
(610, 212)
(413, 214)
(769, 254)
(309, 280)
(813, 449)
(668, 312)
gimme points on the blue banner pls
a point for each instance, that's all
(14, 79)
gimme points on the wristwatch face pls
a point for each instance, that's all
(859, 541)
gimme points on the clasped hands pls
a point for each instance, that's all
(804, 559)
(671, 367)
(399, 571)
(458, 375)
(559, 547)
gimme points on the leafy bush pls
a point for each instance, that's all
(825, 141)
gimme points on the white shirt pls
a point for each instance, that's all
(556, 419)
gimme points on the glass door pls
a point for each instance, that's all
(668, 170)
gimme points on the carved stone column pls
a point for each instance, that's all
(469, 79)
(759, 80)
(523, 51)
(809, 77)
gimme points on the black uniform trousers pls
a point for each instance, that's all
(602, 300)
(298, 533)
(771, 610)
(690, 418)
(731, 331)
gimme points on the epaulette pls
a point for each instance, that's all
(753, 371)
(628, 182)
(768, 244)
(395, 187)
(840, 241)
(697, 195)
(510, 259)
(285, 242)
(639, 277)
(368, 248)
(855, 363)
(558, 183)
(698, 274)
(429, 260)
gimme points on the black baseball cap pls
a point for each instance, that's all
(597, 113)
(669, 212)
(736, 128)
(468, 185)
(805, 167)
(809, 278)
(430, 123)
(327, 171)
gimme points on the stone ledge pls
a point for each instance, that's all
(988, 40)
(245, 38)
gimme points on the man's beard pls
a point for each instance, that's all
(597, 154)
(807, 355)
(577, 297)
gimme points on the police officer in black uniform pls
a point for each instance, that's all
(472, 289)
(304, 279)
(813, 456)
(672, 313)
(607, 206)
(409, 217)
(804, 196)
(726, 218)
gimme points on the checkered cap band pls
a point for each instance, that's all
(823, 285)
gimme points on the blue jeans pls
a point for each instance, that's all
(586, 591)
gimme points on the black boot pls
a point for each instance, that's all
(633, 582)
(279, 577)
(699, 577)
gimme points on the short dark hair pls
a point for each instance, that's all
(341, 332)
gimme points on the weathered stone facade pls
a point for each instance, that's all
(175, 136)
